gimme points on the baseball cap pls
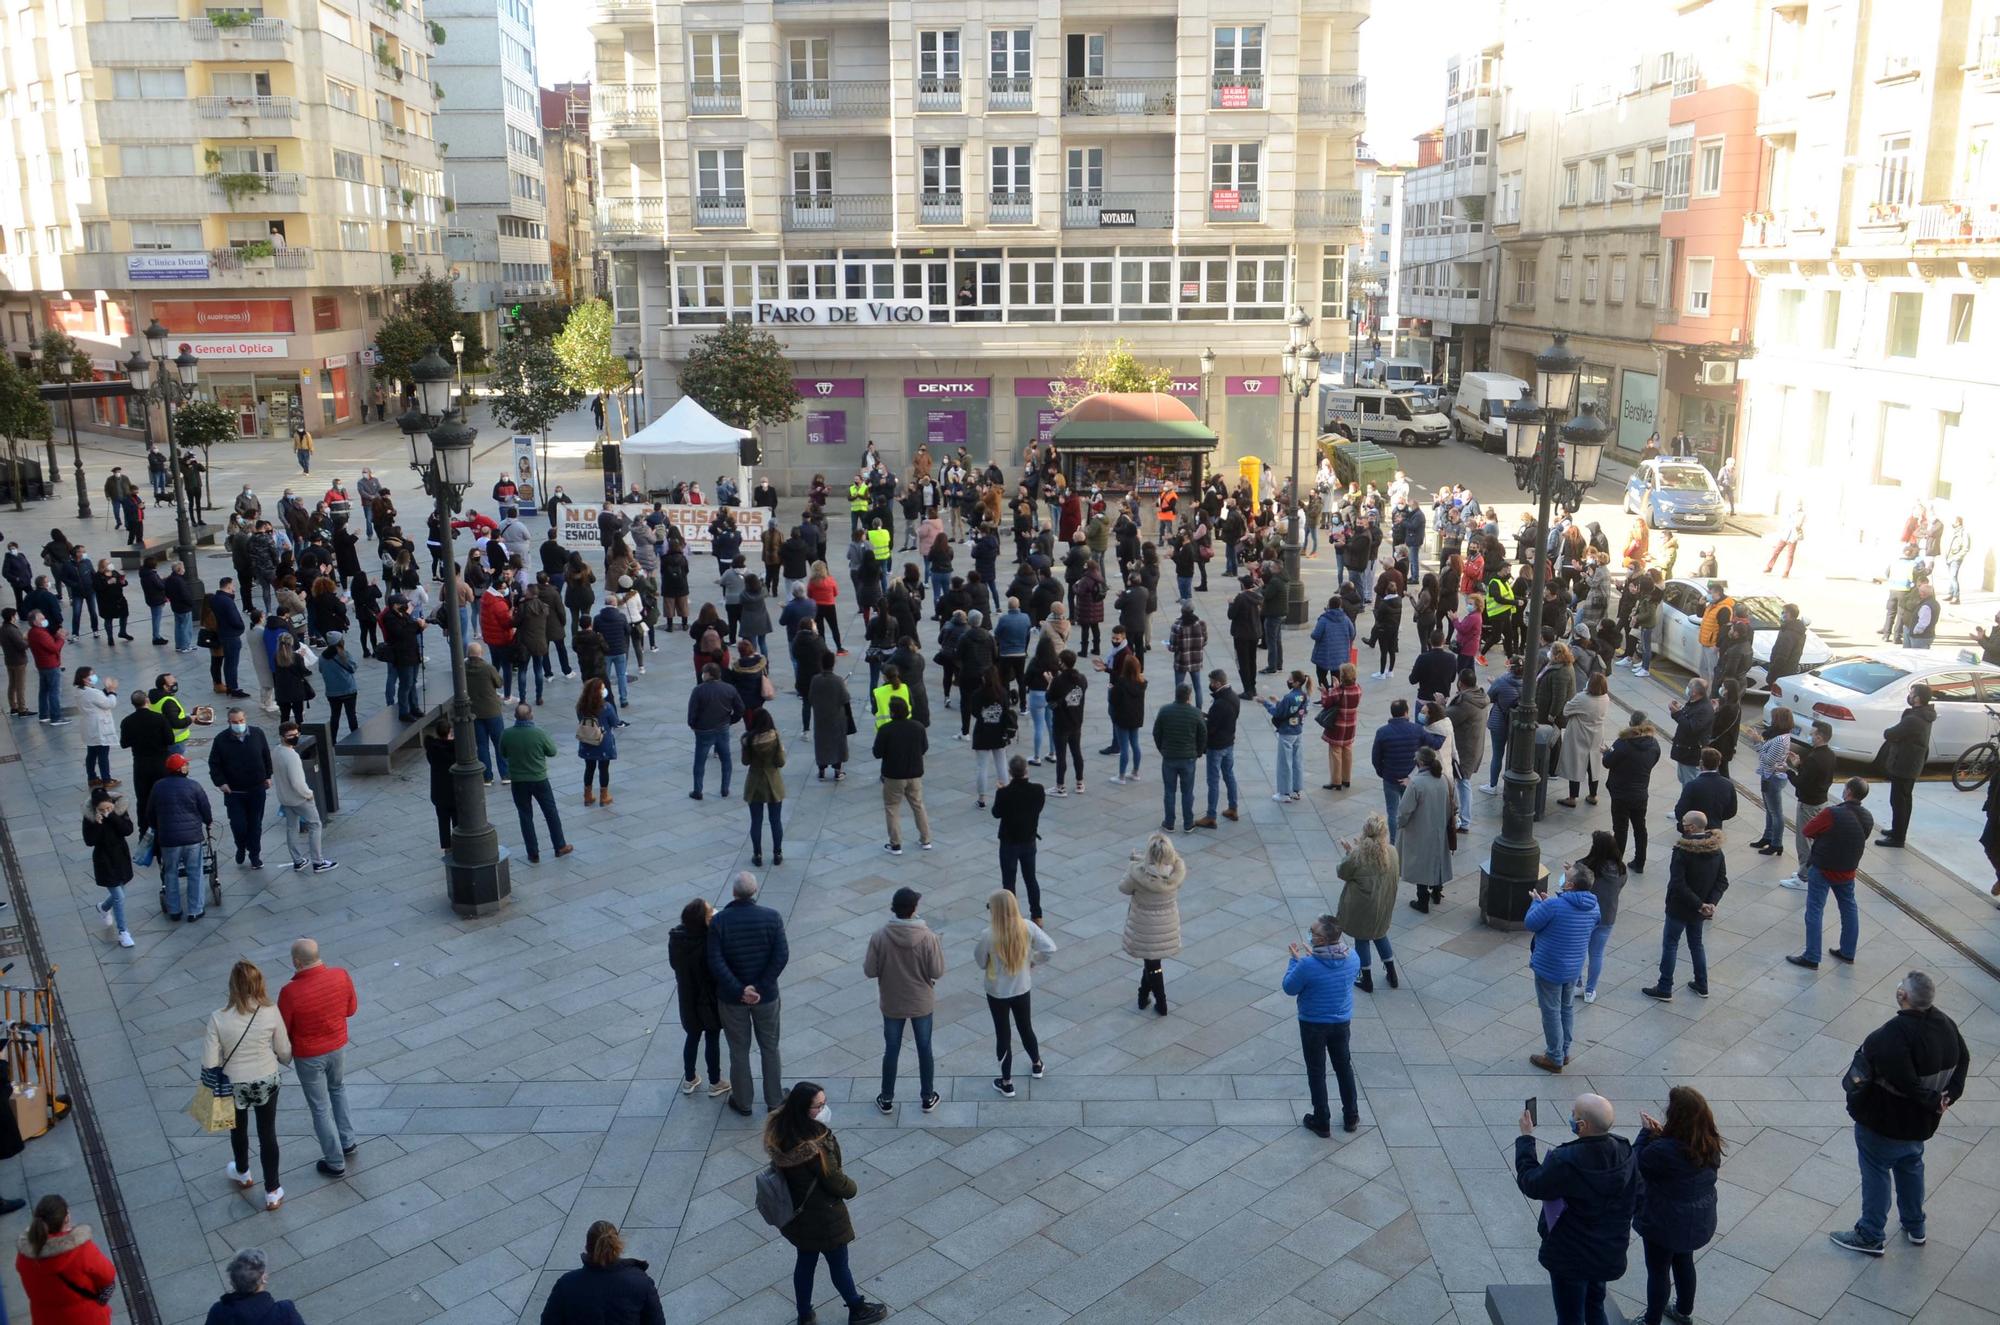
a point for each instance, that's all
(904, 901)
(177, 763)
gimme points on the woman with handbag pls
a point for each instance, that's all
(67, 1277)
(763, 784)
(833, 718)
(597, 725)
(805, 1153)
(291, 679)
(106, 827)
(1339, 718)
(240, 1054)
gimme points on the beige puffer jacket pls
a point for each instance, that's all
(1153, 917)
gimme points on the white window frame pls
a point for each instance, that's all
(1893, 177)
(1093, 278)
(1031, 289)
(1700, 287)
(1616, 291)
(1708, 161)
(1524, 282)
(1010, 183)
(1564, 267)
(940, 69)
(1572, 184)
(941, 184)
(1237, 166)
(1237, 59)
(1649, 279)
(1590, 268)
(1010, 69)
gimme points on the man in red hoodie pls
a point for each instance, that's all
(315, 1004)
(45, 643)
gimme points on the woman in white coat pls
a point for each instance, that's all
(98, 701)
(1153, 916)
(246, 1042)
(1583, 734)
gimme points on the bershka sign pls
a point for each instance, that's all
(840, 313)
(830, 388)
(952, 388)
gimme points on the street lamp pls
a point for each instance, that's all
(170, 382)
(68, 371)
(458, 359)
(1207, 367)
(1539, 425)
(54, 471)
(1299, 366)
(476, 877)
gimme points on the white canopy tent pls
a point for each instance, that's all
(689, 432)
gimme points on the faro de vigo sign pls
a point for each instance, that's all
(840, 313)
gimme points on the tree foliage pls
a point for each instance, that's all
(425, 316)
(61, 351)
(583, 349)
(23, 412)
(541, 321)
(1115, 369)
(529, 390)
(741, 376)
(203, 423)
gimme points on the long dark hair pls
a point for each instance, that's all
(1603, 850)
(694, 917)
(591, 702)
(51, 1213)
(793, 1124)
(1690, 1122)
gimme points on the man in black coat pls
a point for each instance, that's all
(148, 734)
(1693, 721)
(1435, 669)
(1907, 1073)
(1246, 630)
(1711, 792)
(1811, 774)
(1697, 877)
(747, 952)
(1018, 807)
(229, 628)
(1224, 707)
(1906, 748)
(1588, 1187)
(239, 762)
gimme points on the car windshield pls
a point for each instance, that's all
(1397, 409)
(1862, 675)
(1496, 407)
(1764, 613)
(1682, 478)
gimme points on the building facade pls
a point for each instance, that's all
(936, 207)
(1875, 382)
(1448, 258)
(261, 180)
(491, 123)
(1374, 264)
(569, 168)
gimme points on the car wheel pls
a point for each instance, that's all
(1406, 437)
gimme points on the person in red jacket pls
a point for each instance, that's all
(315, 1005)
(45, 646)
(496, 627)
(68, 1279)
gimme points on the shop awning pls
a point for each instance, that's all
(1131, 422)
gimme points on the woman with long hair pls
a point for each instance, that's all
(594, 706)
(804, 1151)
(1288, 721)
(701, 1017)
(1128, 711)
(609, 1285)
(763, 784)
(291, 680)
(1041, 670)
(1008, 953)
(1388, 627)
(1367, 872)
(1774, 748)
(1153, 915)
(107, 824)
(1343, 697)
(67, 1277)
(245, 1041)
(1607, 867)
(1678, 1160)
(99, 703)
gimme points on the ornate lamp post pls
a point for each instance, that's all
(458, 362)
(1207, 367)
(1563, 449)
(1299, 366)
(441, 453)
(170, 382)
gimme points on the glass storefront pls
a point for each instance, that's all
(264, 403)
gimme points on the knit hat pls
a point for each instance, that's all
(334, 637)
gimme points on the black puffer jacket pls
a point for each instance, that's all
(1907, 745)
(1912, 1059)
(1628, 764)
(1676, 1195)
(1697, 876)
(687, 954)
(621, 1294)
(1598, 1183)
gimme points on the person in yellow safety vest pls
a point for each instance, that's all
(1714, 626)
(892, 687)
(1503, 617)
(857, 503)
(166, 702)
(881, 544)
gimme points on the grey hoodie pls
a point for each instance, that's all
(906, 957)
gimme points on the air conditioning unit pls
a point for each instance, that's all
(1718, 372)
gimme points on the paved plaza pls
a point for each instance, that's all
(516, 1077)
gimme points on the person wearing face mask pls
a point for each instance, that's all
(239, 762)
(295, 803)
(402, 632)
(99, 705)
(1589, 1188)
(799, 1139)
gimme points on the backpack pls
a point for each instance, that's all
(774, 1197)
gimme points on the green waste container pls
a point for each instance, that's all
(1358, 462)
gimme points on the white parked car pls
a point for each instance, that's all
(1677, 637)
(1861, 696)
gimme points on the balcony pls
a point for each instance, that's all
(626, 108)
(1118, 96)
(1766, 230)
(229, 41)
(252, 186)
(1244, 91)
(833, 100)
(284, 259)
(1010, 93)
(1983, 69)
(940, 92)
(1343, 96)
(721, 210)
(246, 108)
(724, 97)
(1006, 207)
(618, 14)
(630, 218)
(1778, 108)
(527, 289)
(832, 213)
(1328, 209)
(1956, 224)
(1116, 209)
(940, 208)
(1237, 204)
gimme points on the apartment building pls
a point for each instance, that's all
(1581, 171)
(1374, 264)
(569, 169)
(490, 121)
(260, 179)
(1875, 381)
(936, 207)
(1448, 257)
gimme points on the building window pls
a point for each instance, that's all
(1649, 279)
(719, 198)
(161, 84)
(1892, 170)
(1010, 69)
(97, 236)
(1562, 278)
(714, 65)
(1013, 198)
(336, 22)
(173, 159)
(625, 289)
(1571, 177)
(1524, 282)
(1233, 174)
(1708, 169)
(1700, 280)
(1906, 313)
(1031, 289)
(341, 96)
(1086, 289)
(354, 236)
(942, 197)
(1590, 280)
(1618, 280)
(939, 69)
(1333, 285)
(166, 236)
(1600, 176)
(1656, 171)
(1959, 330)
(1237, 68)
(347, 165)
(1829, 320)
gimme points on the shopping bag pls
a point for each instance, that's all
(213, 1112)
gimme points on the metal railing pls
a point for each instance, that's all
(216, 108)
(1235, 205)
(1116, 209)
(827, 99)
(716, 98)
(1328, 209)
(622, 104)
(937, 208)
(257, 29)
(1766, 230)
(940, 92)
(1242, 91)
(1010, 207)
(1010, 93)
(821, 213)
(1118, 96)
(1957, 223)
(1342, 95)
(268, 181)
(622, 218)
(721, 209)
(233, 259)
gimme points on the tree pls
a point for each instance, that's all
(541, 321)
(24, 416)
(529, 393)
(62, 356)
(741, 376)
(1115, 369)
(424, 319)
(583, 349)
(203, 423)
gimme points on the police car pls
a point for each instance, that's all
(1378, 414)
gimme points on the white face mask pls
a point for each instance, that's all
(825, 1116)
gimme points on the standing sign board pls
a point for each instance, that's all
(579, 523)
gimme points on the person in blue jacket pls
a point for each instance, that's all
(1588, 1188)
(1678, 1162)
(1333, 641)
(1323, 982)
(1394, 757)
(1562, 926)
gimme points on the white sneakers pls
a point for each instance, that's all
(1794, 882)
(110, 921)
(241, 1179)
(272, 1200)
(124, 939)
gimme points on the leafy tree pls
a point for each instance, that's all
(59, 351)
(424, 319)
(203, 423)
(741, 376)
(24, 416)
(529, 392)
(541, 321)
(583, 349)
(1115, 369)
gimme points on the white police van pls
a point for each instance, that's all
(1381, 415)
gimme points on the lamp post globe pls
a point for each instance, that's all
(157, 337)
(432, 376)
(139, 372)
(187, 367)
(1557, 369)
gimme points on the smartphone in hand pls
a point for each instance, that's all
(1534, 1113)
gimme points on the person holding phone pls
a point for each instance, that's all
(1589, 1188)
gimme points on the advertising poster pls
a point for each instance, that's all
(825, 427)
(579, 523)
(1045, 424)
(524, 471)
(944, 427)
(1638, 410)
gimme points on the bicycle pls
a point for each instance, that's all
(1981, 761)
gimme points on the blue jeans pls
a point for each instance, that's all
(1578, 1301)
(836, 1270)
(408, 700)
(1041, 720)
(1686, 772)
(527, 795)
(97, 763)
(1176, 772)
(159, 612)
(1553, 998)
(1185, 583)
(76, 606)
(1464, 802)
(1193, 681)
(1392, 801)
(1221, 773)
(232, 650)
(1361, 947)
(1498, 740)
(718, 741)
(489, 731)
(320, 1081)
(1228, 559)
(48, 693)
(892, 1050)
(113, 905)
(1881, 1159)
(1670, 947)
(1321, 1041)
(1291, 768)
(1773, 792)
(1274, 643)
(1646, 648)
(1126, 739)
(1599, 937)
(1953, 569)
(183, 631)
(1817, 887)
(940, 581)
(172, 859)
(616, 662)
